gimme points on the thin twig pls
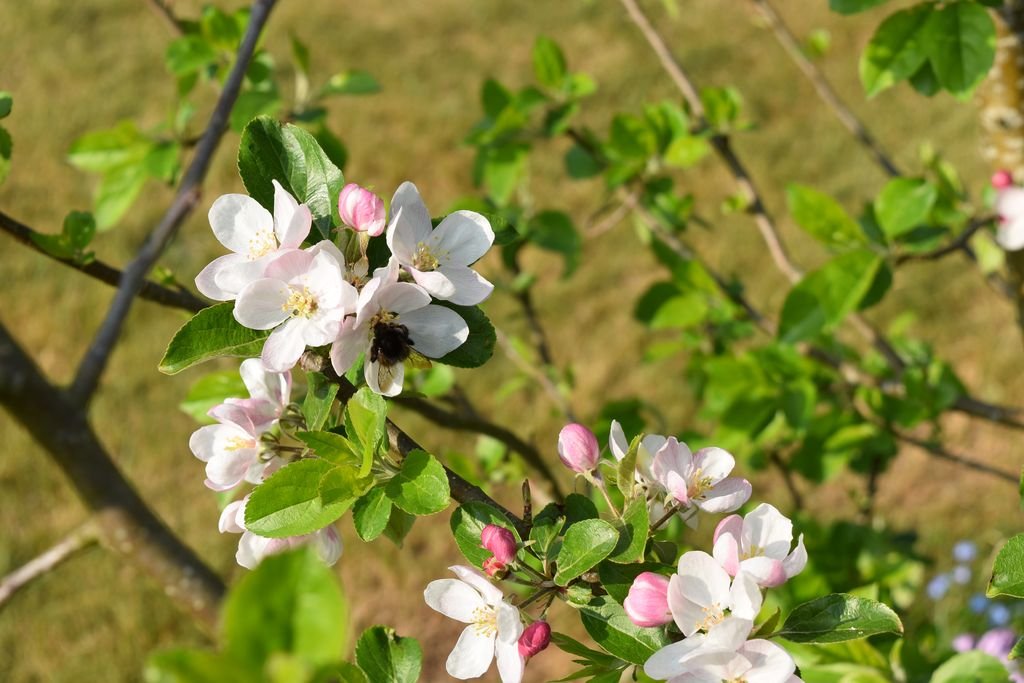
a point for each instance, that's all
(79, 539)
(940, 451)
(959, 243)
(95, 359)
(472, 423)
(164, 11)
(536, 373)
(824, 88)
(787, 477)
(151, 291)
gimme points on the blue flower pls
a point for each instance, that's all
(938, 587)
(998, 614)
(978, 603)
(965, 551)
(961, 574)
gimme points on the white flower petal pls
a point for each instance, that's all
(1010, 234)
(461, 238)
(283, 347)
(261, 305)
(410, 222)
(617, 441)
(434, 282)
(688, 614)
(767, 528)
(292, 220)
(726, 496)
(203, 442)
(435, 330)
(472, 655)
(745, 597)
(706, 583)
(767, 571)
(470, 288)
(238, 221)
(206, 281)
(769, 662)
(714, 463)
(402, 297)
(274, 387)
(453, 598)
(351, 342)
(229, 518)
(796, 560)
(510, 663)
(226, 470)
(290, 265)
(492, 595)
(239, 275)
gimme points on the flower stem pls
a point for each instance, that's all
(537, 596)
(669, 512)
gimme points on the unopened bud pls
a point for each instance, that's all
(500, 542)
(361, 210)
(1002, 179)
(647, 602)
(577, 447)
(535, 638)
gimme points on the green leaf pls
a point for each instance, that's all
(388, 658)
(468, 522)
(897, 50)
(608, 625)
(549, 63)
(188, 55)
(822, 217)
(823, 298)
(78, 230)
(105, 150)
(253, 103)
(316, 406)
(211, 333)
(301, 498)
(193, 666)
(421, 486)
(554, 231)
(290, 603)
(6, 149)
(333, 448)
(1008, 570)
(618, 578)
(971, 667)
(904, 204)
(117, 191)
(632, 528)
(399, 526)
(586, 543)
(580, 163)
(625, 476)
(371, 513)
(6, 104)
(547, 525)
(209, 390)
(351, 82)
(961, 44)
(853, 6)
(479, 345)
(366, 416)
(288, 154)
(838, 617)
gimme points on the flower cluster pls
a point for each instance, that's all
(1010, 210)
(249, 442)
(316, 297)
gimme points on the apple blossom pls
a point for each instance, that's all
(494, 626)
(394, 319)
(502, 545)
(269, 393)
(362, 210)
(535, 639)
(649, 446)
(438, 259)
(1010, 209)
(755, 661)
(699, 479)
(759, 545)
(255, 238)
(646, 604)
(252, 548)
(303, 298)
(231, 448)
(696, 657)
(700, 593)
(577, 448)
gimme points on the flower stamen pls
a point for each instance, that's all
(301, 303)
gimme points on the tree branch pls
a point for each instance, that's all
(125, 522)
(941, 452)
(78, 540)
(96, 357)
(164, 11)
(403, 444)
(151, 291)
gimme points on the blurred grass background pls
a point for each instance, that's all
(75, 67)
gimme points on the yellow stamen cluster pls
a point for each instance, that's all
(699, 486)
(301, 303)
(755, 551)
(424, 259)
(261, 244)
(485, 621)
(713, 614)
(237, 443)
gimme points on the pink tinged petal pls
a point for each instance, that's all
(491, 594)
(393, 380)
(472, 654)
(229, 518)
(461, 238)
(206, 281)
(687, 613)
(292, 220)
(238, 275)
(745, 597)
(291, 265)
(768, 529)
(330, 248)
(236, 412)
(261, 305)
(402, 297)
(617, 441)
(726, 496)
(346, 348)
(714, 463)
(676, 486)
(500, 542)
(237, 220)
(453, 598)
(328, 545)
(646, 604)
(410, 222)
(227, 470)
(1010, 203)
(769, 662)
(577, 448)
(203, 440)
(361, 210)
(768, 572)
(700, 582)
(730, 526)
(727, 553)
(274, 387)
(649, 445)
(511, 664)
(435, 330)
(796, 560)
(252, 548)
(283, 347)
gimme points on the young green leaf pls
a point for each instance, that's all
(6, 104)
(352, 82)
(971, 667)
(549, 63)
(211, 333)
(608, 625)
(196, 666)
(371, 513)
(547, 525)
(586, 543)
(904, 204)
(302, 497)
(632, 528)
(961, 43)
(366, 424)
(838, 617)
(853, 6)
(291, 603)
(625, 479)
(897, 50)
(209, 390)
(1008, 570)
(822, 217)
(421, 486)
(316, 407)
(468, 522)
(399, 525)
(387, 657)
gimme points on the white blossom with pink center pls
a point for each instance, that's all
(759, 545)
(252, 548)
(699, 479)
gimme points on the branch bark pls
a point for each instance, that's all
(126, 524)
(96, 357)
(78, 540)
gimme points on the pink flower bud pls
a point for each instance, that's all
(361, 210)
(535, 638)
(500, 542)
(1002, 179)
(647, 602)
(577, 447)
